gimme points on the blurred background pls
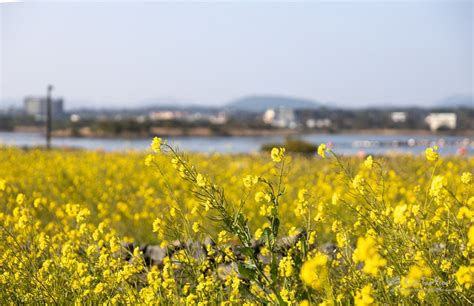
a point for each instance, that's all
(239, 77)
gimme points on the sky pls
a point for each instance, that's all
(106, 54)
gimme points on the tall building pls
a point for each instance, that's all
(36, 106)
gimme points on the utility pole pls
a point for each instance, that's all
(48, 117)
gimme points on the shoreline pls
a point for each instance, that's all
(206, 132)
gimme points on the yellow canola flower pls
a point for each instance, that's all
(302, 194)
(175, 162)
(431, 154)
(82, 215)
(265, 210)
(149, 160)
(288, 296)
(99, 288)
(286, 266)
(3, 184)
(413, 281)
(191, 299)
(359, 183)
(250, 180)
(341, 240)
(465, 276)
(293, 231)
(156, 144)
(445, 265)
(262, 196)
(369, 162)
(314, 271)
(322, 150)
(466, 178)
(196, 227)
(470, 236)
(464, 212)
(36, 203)
(223, 237)
(173, 211)
(304, 303)
(201, 180)
(364, 297)
(366, 252)
(157, 224)
(437, 185)
(20, 198)
(400, 214)
(277, 154)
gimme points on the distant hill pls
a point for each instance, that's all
(262, 103)
(456, 101)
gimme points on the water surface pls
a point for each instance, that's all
(341, 143)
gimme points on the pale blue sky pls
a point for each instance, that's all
(352, 53)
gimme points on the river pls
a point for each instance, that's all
(341, 143)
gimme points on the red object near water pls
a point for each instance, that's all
(462, 151)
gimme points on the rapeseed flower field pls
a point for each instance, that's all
(171, 228)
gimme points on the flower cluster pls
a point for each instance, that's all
(220, 229)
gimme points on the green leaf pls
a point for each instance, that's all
(250, 252)
(305, 245)
(275, 226)
(247, 270)
(242, 220)
(270, 239)
(274, 268)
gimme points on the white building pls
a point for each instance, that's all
(318, 123)
(438, 120)
(280, 117)
(398, 117)
(220, 118)
(166, 115)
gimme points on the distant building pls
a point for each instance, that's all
(165, 115)
(268, 116)
(220, 118)
(36, 106)
(75, 118)
(438, 120)
(318, 123)
(398, 117)
(280, 117)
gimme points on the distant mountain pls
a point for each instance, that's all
(162, 101)
(262, 103)
(456, 101)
